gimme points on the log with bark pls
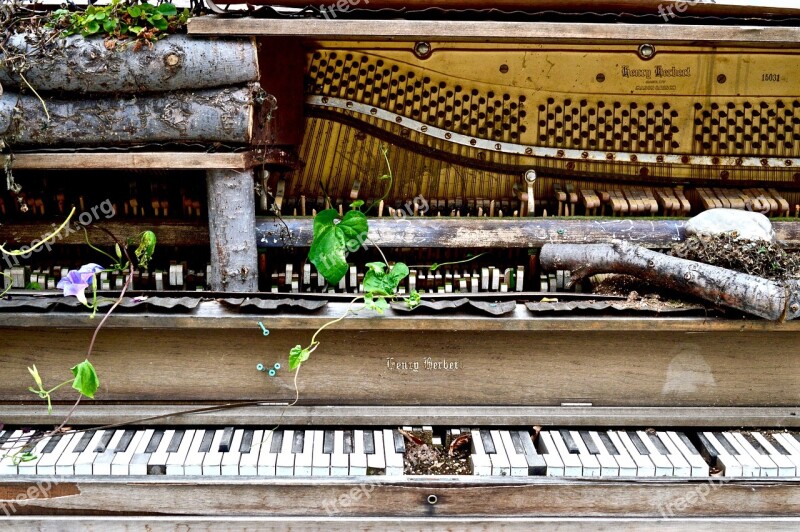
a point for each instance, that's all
(773, 300)
(234, 115)
(78, 64)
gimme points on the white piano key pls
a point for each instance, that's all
(231, 459)
(535, 461)
(102, 463)
(358, 458)
(480, 461)
(547, 448)
(749, 466)
(47, 465)
(394, 459)
(157, 463)
(138, 463)
(212, 461)
(9, 450)
(786, 467)
(663, 465)
(85, 460)
(266, 457)
(608, 465)
(517, 462)
(377, 460)
(29, 467)
(589, 462)
(501, 466)
(66, 464)
(248, 463)
(573, 467)
(726, 461)
(680, 465)
(644, 466)
(767, 467)
(193, 464)
(340, 462)
(122, 461)
(320, 462)
(177, 459)
(791, 446)
(698, 467)
(303, 460)
(284, 464)
(627, 466)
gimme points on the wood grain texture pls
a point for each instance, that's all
(494, 31)
(132, 160)
(226, 414)
(420, 232)
(408, 497)
(358, 367)
(170, 233)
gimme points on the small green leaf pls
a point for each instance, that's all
(100, 16)
(109, 25)
(146, 249)
(135, 11)
(413, 300)
(159, 22)
(118, 251)
(136, 30)
(379, 282)
(434, 266)
(92, 27)
(357, 204)
(35, 373)
(297, 355)
(33, 286)
(376, 303)
(86, 381)
(167, 9)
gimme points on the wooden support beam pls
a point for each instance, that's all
(231, 219)
(494, 31)
(133, 160)
(169, 233)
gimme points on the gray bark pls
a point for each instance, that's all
(772, 300)
(214, 115)
(232, 231)
(78, 64)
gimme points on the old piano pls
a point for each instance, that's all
(533, 122)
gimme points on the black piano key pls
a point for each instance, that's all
(277, 442)
(247, 441)
(591, 446)
(5, 436)
(348, 442)
(205, 443)
(796, 436)
(327, 442)
(610, 447)
(541, 448)
(536, 463)
(399, 442)
(125, 441)
(488, 442)
(708, 451)
(756, 445)
(775, 443)
(688, 443)
(227, 438)
(298, 442)
(155, 441)
(726, 444)
(518, 447)
(641, 448)
(175, 443)
(369, 442)
(83, 443)
(658, 444)
(104, 441)
(572, 447)
(52, 443)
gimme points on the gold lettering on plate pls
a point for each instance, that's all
(424, 364)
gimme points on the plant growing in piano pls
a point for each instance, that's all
(84, 380)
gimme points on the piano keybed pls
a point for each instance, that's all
(321, 452)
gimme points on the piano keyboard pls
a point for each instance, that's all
(320, 453)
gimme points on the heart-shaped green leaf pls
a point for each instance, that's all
(86, 381)
(297, 355)
(379, 282)
(334, 237)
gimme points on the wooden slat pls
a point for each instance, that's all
(238, 414)
(391, 368)
(493, 31)
(133, 160)
(170, 233)
(381, 496)
(423, 232)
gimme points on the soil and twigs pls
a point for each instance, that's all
(639, 294)
(754, 257)
(424, 458)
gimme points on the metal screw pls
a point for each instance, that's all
(263, 329)
(277, 365)
(647, 51)
(260, 367)
(530, 176)
(271, 373)
(432, 499)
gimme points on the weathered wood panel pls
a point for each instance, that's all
(420, 232)
(493, 31)
(408, 497)
(405, 367)
(133, 160)
(77, 64)
(213, 115)
(170, 233)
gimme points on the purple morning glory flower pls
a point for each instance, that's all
(76, 281)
